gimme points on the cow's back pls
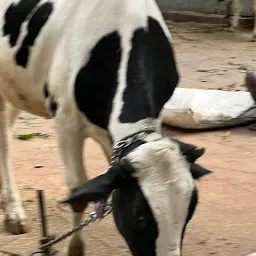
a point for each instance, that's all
(56, 40)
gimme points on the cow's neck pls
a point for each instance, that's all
(132, 106)
(131, 115)
(147, 77)
(132, 109)
(120, 131)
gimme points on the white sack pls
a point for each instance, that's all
(201, 109)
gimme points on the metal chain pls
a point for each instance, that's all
(127, 141)
(92, 218)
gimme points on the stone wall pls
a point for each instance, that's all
(203, 6)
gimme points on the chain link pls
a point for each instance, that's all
(127, 141)
(92, 218)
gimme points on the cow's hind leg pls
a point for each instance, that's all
(15, 215)
(70, 135)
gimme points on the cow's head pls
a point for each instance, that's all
(154, 195)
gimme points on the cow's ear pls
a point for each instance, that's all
(198, 171)
(191, 152)
(100, 187)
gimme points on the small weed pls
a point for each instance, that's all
(30, 136)
(203, 70)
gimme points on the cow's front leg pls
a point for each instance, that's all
(15, 215)
(70, 136)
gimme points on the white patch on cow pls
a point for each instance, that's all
(153, 136)
(165, 179)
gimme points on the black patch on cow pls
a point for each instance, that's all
(96, 82)
(190, 151)
(134, 220)
(136, 102)
(35, 25)
(53, 106)
(152, 74)
(46, 91)
(163, 69)
(15, 15)
(191, 210)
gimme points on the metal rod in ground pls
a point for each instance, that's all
(40, 195)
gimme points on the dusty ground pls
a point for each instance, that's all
(225, 221)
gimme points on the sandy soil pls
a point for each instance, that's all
(225, 220)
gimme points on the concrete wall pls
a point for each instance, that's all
(203, 6)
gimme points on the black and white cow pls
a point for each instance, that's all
(100, 69)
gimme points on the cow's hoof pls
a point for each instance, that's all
(76, 247)
(15, 227)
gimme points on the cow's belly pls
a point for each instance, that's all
(26, 97)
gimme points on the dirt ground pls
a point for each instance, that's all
(225, 220)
